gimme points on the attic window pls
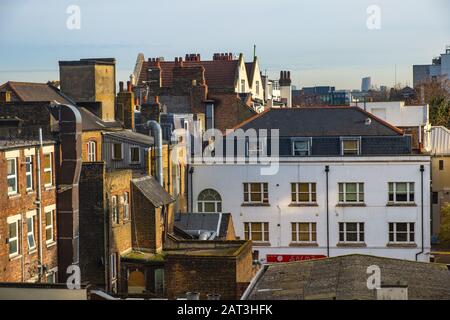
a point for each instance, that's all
(350, 146)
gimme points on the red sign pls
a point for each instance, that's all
(292, 257)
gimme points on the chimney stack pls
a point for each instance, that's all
(286, 88)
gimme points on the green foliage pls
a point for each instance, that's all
(440, 112)
(444, 234)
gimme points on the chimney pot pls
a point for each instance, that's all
(129, 86)
(120, 86)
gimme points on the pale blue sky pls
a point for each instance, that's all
(322, 42)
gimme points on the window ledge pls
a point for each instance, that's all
(303, 244)
(400, 204)
(401, 245)
(13, 196)
(15, 257)
(31, 192)
(261, 244)
(33, 251)
(49, 188)
(351, 244)
(350, 204)
(50, 244)
(255, 205)
(303, 204)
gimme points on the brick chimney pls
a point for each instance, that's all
(154, 76)
(125, 105)
(286, 88)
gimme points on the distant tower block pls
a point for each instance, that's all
(366, 84)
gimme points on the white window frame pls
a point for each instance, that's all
(92, 151)
(358, 232)
(126, 206)
(31, 232)
(359, 199)
(201, 203)
(15, 221)
(395, 232)
(114, 209)
(131, 155)
(263, 232)
(298, 232)
(256, 148)
(49, 169)
(243, 86)
(113, 266)
(408, 192)
(358, 145)
(308, 151)
(29, 162)
(297, 192)
(12, 176)
(264, 194)
(50, 226)
(121, 150)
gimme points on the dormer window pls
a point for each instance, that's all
(301, 147)
(350, 146)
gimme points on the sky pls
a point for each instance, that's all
(322, 42)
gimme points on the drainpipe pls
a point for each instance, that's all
(422, 169)
(327, 170)
(39, 205)
(191, 173)
(156, 133)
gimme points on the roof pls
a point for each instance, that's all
(345, 278)
(91, 122)
(153, 191)
(31, 91)
(199, 222)
(250, 68)
(131, 136)
(14, 144)
(218, 73)
(320, 121)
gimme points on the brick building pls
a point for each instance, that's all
(28, 252)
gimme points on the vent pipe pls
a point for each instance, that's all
(155, 129)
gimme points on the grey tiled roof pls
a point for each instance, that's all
(131, 136)
(345, 278)
(18, 143)
(153, 191)
(203, 222)
(321, 121)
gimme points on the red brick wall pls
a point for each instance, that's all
(24, 267)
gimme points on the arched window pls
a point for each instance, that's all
(209, 200)
(92, 151)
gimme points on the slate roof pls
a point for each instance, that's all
(18, 143)
(153, 191)
(320, 122)
(132, 137)
(30, 91)
(218, 73)
(91, 122)
(203, 222)
(345, 278)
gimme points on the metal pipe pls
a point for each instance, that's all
(327, 170)
(39, 205)
(155, 129)
(422, 169)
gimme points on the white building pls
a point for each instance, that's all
(335, 192)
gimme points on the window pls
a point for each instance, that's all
(303, 192)
(135, 155)
(441, 165)
(256, 147)
(113, 266)
(256, 193)
(304, 232)
(401, 232)
(256, 231)
(351, 192)
(401, 192)
(351, 232)
(49, 226)
(159, 281)
(48, 170)
(350, 146)
(29, 172)
(209, 116)
(301, 147)
(13, 238)
(209, 200)
(242, 86)
(114, 209)
(12, 175)
(51, 277)
(117, 151)
(30, 233)
(257, 88)
(92, 151)
(126, 206)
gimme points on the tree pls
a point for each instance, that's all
(436, 93)
(444, 234)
